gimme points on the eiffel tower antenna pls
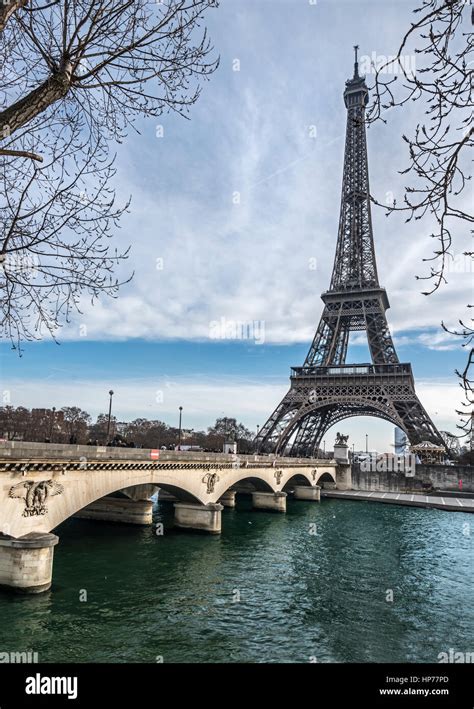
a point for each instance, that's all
(326, 389)
(356, 62)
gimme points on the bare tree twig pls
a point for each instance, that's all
(441, 39)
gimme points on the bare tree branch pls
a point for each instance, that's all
(7, 8)
(75, 76)
(442, 42)
(21, 154)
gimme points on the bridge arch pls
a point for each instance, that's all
(142, 489)
(80, 488)
(259, 483)
(297, 479)
(326, 478)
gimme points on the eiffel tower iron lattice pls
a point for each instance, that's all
(326, 389)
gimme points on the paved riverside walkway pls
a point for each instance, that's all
(452, 504)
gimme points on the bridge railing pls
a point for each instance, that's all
(30, 451)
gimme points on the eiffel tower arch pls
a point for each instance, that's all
(326, 389)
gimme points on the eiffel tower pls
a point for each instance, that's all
(326, 389)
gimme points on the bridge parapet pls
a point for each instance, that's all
(37, 452)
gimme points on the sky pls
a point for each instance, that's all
(234, 219)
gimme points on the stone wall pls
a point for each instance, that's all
(439, 477)
(447, 477)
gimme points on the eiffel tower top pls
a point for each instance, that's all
(356, 92)
(356, 62)
(354, 264)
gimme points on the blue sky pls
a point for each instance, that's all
(234, 218)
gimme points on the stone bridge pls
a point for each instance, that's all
(42, 485)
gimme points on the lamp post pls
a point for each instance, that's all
(366, 442)
(225, 433)
(324, 449)
(258, 431)
(53, 411)
(179, 434)
(471, 433)
(111, 393)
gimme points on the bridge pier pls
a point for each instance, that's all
(228, 498)
(305, 492)
(269, 501)
(206, 518)
(119, 509)
(26, 563)
(344, 477)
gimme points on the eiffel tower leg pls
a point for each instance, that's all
(310, 433)
(380, 340)
(277, 422)
(304, 433)
(416, 422)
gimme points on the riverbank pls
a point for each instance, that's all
(445, 502)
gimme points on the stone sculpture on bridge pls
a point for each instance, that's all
(210, 479)
(36, 495)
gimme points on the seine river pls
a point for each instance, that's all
(314, 584)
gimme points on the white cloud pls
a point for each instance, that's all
(249, 133)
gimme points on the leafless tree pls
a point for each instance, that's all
(441, 39)
(76, 423)
(75, 75)
(14, 422)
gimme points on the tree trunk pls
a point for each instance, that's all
(38, 100)
(7, 8)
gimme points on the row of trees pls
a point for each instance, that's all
(73, 424)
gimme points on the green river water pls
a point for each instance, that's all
(268, 589)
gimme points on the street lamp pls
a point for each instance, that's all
(225, 433)
(179, 435)
(53, 411)
(324, 449)
(366, 442)
(471, 433)
(111, 393)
